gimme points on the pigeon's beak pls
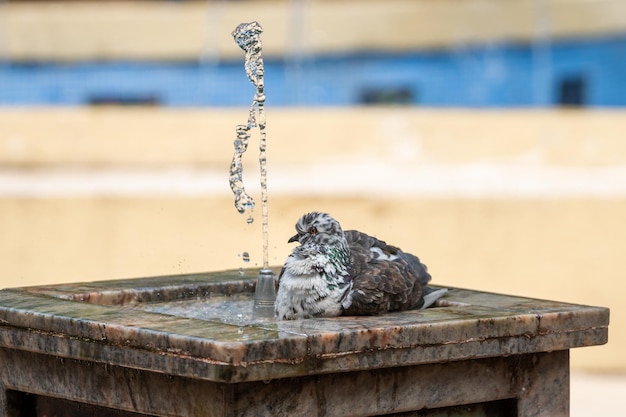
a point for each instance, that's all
(293, 238)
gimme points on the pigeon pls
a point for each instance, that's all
(333, 273)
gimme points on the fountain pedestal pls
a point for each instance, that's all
(145, 347)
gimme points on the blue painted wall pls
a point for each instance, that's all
(495, 75)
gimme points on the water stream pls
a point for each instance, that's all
(248, 37)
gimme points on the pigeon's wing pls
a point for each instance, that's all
(277, 278)
(383, 277)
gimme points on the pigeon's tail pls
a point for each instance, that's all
(431, 295)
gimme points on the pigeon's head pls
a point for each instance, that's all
(317, 228)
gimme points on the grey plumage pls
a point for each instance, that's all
(333, 272)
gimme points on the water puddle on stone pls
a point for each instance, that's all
(237, 309)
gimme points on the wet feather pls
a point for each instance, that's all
(334, 273)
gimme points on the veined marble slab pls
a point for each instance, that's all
(158, 324)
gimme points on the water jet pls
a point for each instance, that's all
(248, 37)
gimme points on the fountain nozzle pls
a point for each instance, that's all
(265, 294)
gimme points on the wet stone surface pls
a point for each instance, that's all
(190, 345)
(202, 325)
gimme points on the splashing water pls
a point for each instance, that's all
(248, 37)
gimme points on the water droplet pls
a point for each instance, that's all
(241, 272)
(245, 256)
(250, 220)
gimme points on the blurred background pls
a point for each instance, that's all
(486, 136)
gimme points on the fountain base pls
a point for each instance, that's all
(126, 348)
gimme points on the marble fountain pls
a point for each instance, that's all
(191, 345)
(203, 345)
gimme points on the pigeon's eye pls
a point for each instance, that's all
(313, 230)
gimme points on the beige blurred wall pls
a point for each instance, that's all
(104, 193)
(190, 30)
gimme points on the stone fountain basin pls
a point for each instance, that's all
(202, 326)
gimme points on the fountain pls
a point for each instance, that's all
(203, 344)
(186, 345)
(248, 37)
